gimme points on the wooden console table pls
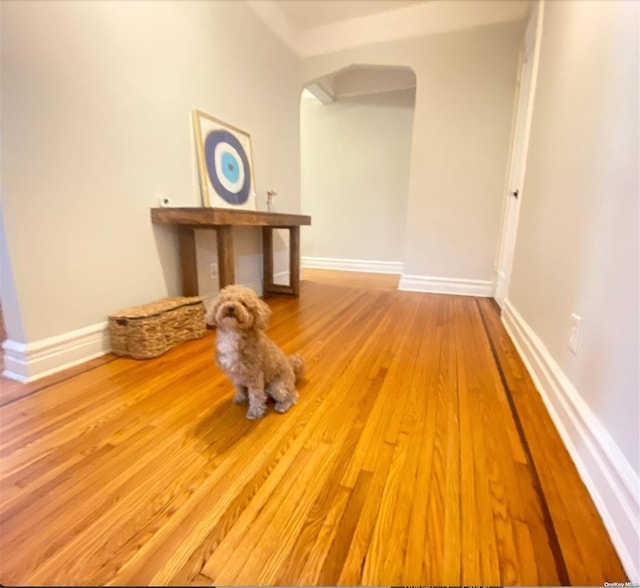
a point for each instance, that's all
(222, 220)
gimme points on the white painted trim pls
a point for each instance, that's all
(607, 474)
(499, 287)
(438, 285)
(26, 362)
(519, 148)
(353, 265)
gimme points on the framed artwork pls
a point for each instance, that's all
(225, 163)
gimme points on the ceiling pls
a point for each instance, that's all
(316, 27)
(308, 14)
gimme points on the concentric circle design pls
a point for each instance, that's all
(227, 166)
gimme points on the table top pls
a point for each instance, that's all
(212, 217)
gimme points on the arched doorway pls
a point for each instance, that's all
(356, 130)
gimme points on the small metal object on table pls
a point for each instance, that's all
(222, 220)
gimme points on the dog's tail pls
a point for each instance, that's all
(297, 364)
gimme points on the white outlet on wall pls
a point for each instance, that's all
(213, 270)
(575, 333)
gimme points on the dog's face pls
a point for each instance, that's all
(238, 307)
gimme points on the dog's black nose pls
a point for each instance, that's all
(231, 311)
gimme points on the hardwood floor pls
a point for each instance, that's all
(371, 281)
(419, 453)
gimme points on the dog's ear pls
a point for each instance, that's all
(262, 314)
(210, 316)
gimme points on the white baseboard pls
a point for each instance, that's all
(26, 362)
(437, 285)
(608, 476)
(281, 277)
(353, 265)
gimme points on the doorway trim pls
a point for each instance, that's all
(520, 131)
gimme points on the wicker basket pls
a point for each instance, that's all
(150, 330)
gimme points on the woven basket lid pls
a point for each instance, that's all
(155, 308)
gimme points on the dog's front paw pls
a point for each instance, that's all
(255, 412)
(285, 405)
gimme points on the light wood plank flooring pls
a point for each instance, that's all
(419, 453)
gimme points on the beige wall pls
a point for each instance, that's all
(355, 156)
(462, 120)
(577, 243)
(96, 102)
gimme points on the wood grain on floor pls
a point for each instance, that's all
(419, 453)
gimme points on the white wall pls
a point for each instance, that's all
(577, 245)
(355, 156)
(462, 118)
(577, 250)
(96, 102)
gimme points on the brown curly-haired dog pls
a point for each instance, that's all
(254, 363)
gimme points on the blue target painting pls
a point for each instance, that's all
(225, 163)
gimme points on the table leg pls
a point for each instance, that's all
(267, 259)
(188, 267)
(294, 260)
(268, 287)
(226, 268)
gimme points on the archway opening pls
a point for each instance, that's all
(356, 128)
